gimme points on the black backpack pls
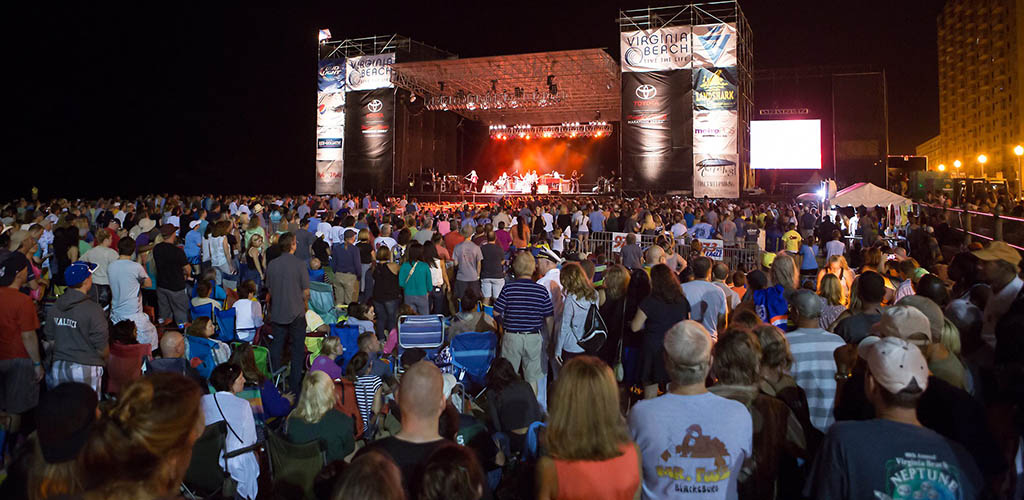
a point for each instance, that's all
(595, 332)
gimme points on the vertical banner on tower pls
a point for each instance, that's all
(330, 126)
(716, 168)
(656, 119)
(656, 108)
(369, 139)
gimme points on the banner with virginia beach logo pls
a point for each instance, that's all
(658, 50)
(714, 45)
(369, 72)
(716, 176)
(714, 132)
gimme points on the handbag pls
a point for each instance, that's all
(229, 487)
(595, 333)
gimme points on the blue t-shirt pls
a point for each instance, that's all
(809, 262)
(692, 446)
(596, 221)
(689, 218)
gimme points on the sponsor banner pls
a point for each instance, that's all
(369, 72)
(716, 176)
(328, 176)
(330, 109)
(714, 45)
(715, 88)
(369, 139)
(658, 50)
(712, 248)
(331, 75)
(714, 132)
(657, 129)
(618, 241)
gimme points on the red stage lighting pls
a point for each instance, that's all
(598, 133)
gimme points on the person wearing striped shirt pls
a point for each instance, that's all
(524, 307)
(814, 368)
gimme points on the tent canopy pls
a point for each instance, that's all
(868, 195)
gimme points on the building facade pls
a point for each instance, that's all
(981, 87)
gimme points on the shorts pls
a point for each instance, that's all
(19, 391)
(69, 371)
(525, 349)
(491, 287)
(462, 286)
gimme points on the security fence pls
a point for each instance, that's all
(979, 225)
(737, 257)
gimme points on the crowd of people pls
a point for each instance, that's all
(849, 354)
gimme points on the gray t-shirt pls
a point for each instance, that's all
(287, 278)
(886, 459)
(126, 277)
(303, 243)
(692, 446)
(631, 256)
(423, 236)
(467, 255)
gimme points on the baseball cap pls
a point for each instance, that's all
(193, 224)
(167, 230)
(767, 259)
(929, 308)
(999, 250)
(78, 272)
(903, 321)
(64, 417)
(806, 303)
(11, 266)
(894, 363)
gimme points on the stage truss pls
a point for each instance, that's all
(538, 88)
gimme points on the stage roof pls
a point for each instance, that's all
(587, 81)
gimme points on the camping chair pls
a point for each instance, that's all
(201, 349)
(472, 353)
(349, 335)
(321, 301)
(422, 331)
(295, 464)
(125, 365)
(205, 475)
(225, 319)
(203, 311)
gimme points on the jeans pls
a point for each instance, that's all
(387, 316)
(418, 302)
(295, 333)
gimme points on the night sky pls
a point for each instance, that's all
(221, 99)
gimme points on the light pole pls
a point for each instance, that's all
(981, 160)
(957, 163)
(942, 168)
(1019, 151)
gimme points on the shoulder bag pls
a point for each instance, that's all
(595, 333)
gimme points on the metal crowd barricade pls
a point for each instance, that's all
(983, 225)
(737, 257)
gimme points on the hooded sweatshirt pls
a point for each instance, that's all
(78, 329)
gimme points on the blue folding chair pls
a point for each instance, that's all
(472, 353)
(203, 311)
(421, 331)
(226, 325)
(321, 301)
(349, 335)
(202, 349)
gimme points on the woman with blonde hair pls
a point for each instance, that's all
(141, 447)
(580, 296)
(314, 417)
(330, 349)
(838, 267)
(255, 261)
(772, 303)
(220, 251)
(831, 293)
(587, 438)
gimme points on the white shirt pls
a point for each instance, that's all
(996, 307)
(707, 303)
(126, 277)
(247, 315)
(102, 257)
(679, 231)
(834, 247)
(549, 221)
(244, 468)
(732, 298)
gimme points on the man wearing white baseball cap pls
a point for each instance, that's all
(893, 455)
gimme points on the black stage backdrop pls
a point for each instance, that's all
(657, 130)
(369, 140)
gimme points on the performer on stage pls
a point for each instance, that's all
(574, 182)
(473, 179)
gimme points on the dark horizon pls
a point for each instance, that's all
(215, 99)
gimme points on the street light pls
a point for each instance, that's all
(1019, 151)
(981, 160)
(957, 163)
(942, 168)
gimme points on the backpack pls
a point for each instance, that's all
(346, 403)
(595, 332)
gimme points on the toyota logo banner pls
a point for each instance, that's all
(656, 129)
(658, 50)
(369, 139)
